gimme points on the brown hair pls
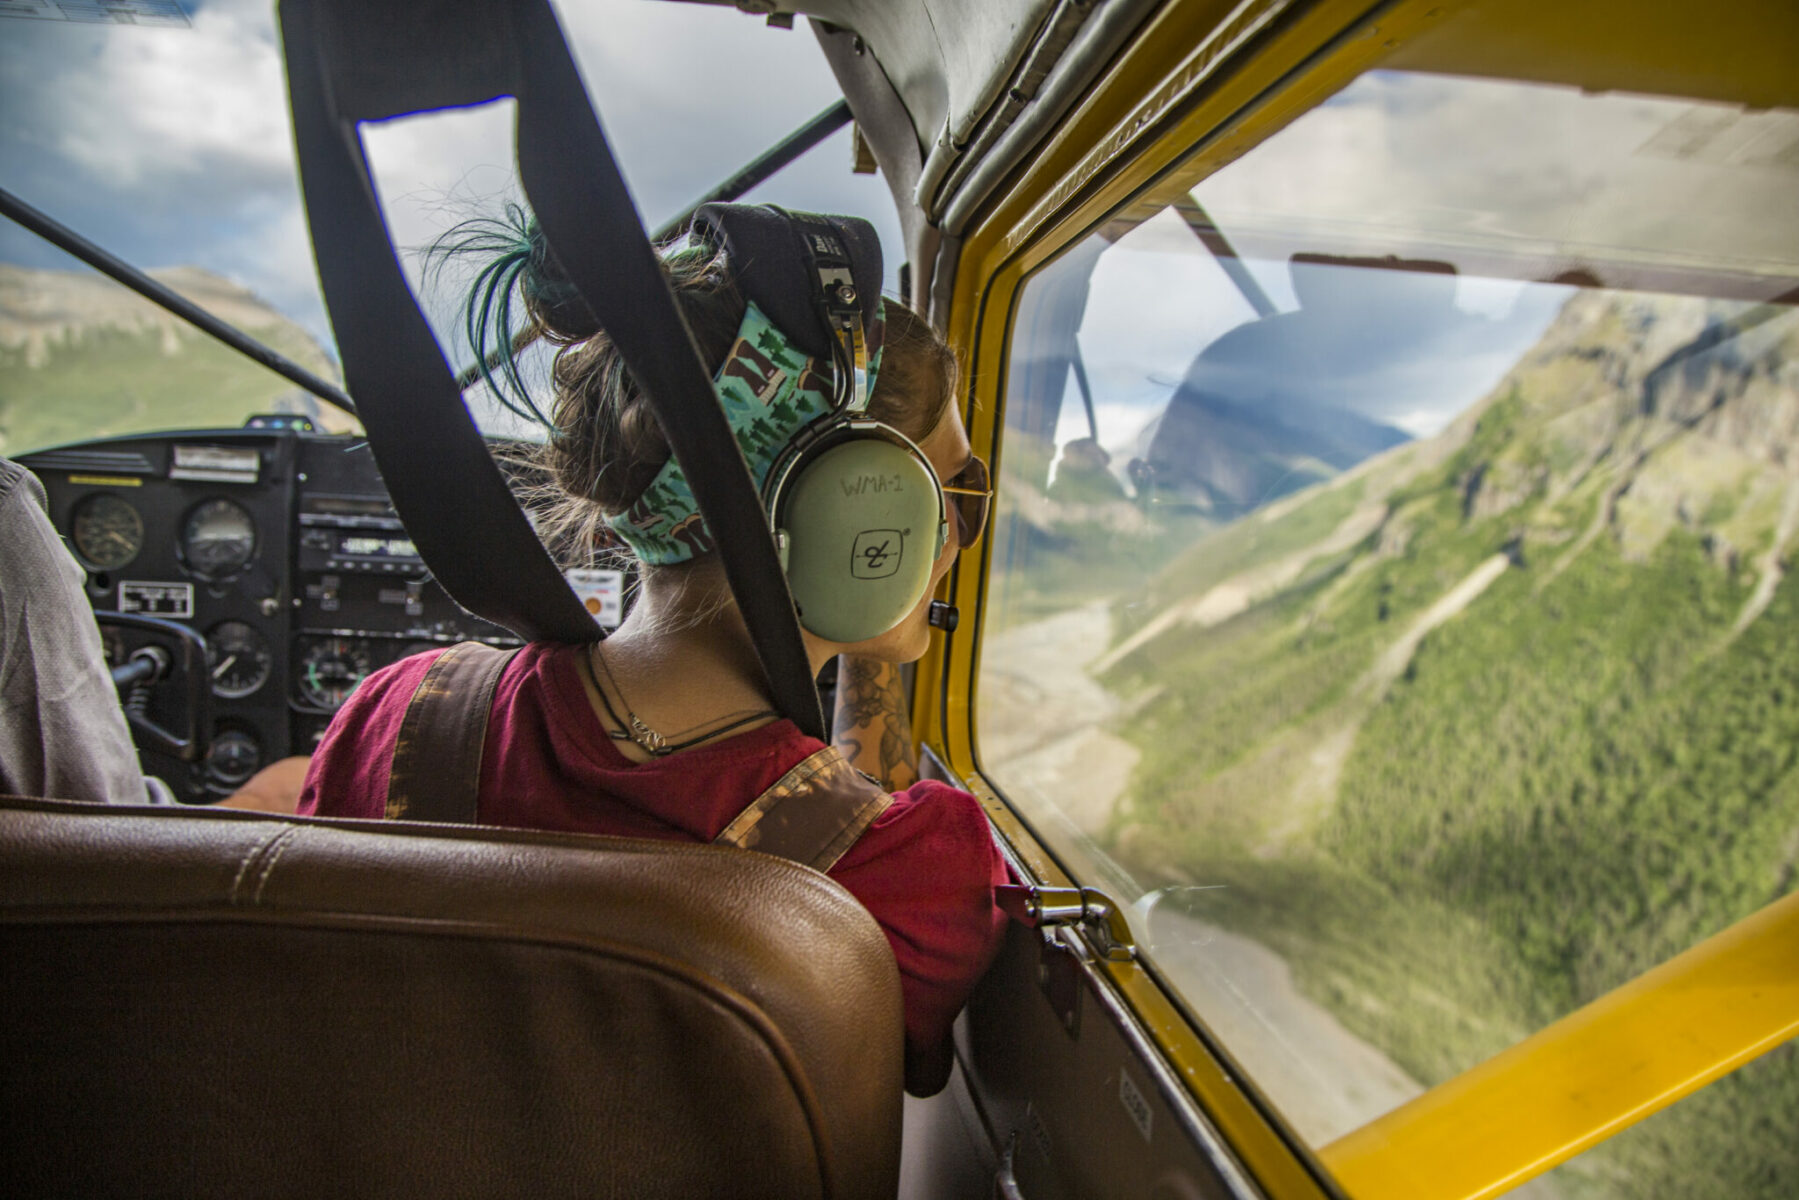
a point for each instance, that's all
(605, 445)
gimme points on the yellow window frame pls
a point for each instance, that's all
(1203, 83)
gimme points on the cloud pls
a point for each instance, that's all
(272, 253)
(1401, 160)
(166, 146)
(135, 117)
(687, 95)
(1158, 298)
(1121, 426)
(1389, 346)
(172, 146)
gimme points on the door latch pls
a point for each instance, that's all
(1098, 915)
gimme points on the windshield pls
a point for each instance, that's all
(168, 143)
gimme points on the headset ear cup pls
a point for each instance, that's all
(858, 517)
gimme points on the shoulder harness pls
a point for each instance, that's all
(812, 815)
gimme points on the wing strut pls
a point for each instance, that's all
(756, 172)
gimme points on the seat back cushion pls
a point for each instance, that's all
(203, 1003)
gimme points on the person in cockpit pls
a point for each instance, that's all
(664, 729)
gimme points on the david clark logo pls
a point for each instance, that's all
(877, 553)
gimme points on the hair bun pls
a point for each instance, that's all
(551, 297)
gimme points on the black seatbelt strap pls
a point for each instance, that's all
(350, 61)
(444, 484)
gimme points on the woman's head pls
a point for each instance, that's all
(605, 446)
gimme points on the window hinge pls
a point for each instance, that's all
(1098, 915)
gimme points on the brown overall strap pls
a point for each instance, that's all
(812, 815)
(436, 773)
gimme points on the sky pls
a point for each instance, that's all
(1412, 374)
(1444, 168)
(172, 146)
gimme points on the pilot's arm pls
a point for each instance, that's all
(62, 733)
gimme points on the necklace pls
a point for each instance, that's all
(633, 729)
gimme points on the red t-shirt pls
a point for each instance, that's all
(925, 869)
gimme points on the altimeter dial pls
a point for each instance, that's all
(239, 659)
(108, 531)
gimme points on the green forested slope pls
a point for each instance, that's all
(1535, 732)
(80, 357)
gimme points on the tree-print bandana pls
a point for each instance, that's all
(770, 391)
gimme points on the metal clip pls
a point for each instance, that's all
(858, 381)
(843, 315)
(1099, 916)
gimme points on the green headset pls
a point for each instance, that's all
(857, 511)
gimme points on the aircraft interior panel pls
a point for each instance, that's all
(276, 544)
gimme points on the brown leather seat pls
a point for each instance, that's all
(208, 1003)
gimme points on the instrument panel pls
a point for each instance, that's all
(278, 544)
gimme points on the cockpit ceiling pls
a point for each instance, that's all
(949, 60)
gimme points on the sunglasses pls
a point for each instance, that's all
(969, 496)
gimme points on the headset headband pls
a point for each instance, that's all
(813, 289)
(816, 277)
(772, 394)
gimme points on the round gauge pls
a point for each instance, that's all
(239, 658)
(108, 531)
(232, 758)
(330, 669)
(218, 539)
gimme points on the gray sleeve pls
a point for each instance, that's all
(62, 733)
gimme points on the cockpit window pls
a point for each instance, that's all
(170, 145)
(1391, 593)
(82, 356)
(1544, 179)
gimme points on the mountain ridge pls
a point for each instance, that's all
(1492, 721)
(40, 308)
(82, 356)
(1537, 726)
